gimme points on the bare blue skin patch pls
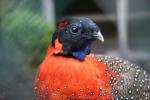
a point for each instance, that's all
(83, 52)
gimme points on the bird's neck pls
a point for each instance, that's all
(80, 54)
(55, 50)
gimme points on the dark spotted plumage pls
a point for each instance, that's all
(128, 81)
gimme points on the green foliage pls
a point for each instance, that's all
(29, 32)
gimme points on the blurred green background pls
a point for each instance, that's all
(26, 27)
(24, 38)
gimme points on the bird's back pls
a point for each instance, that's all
(129, 81)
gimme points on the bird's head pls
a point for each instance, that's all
(76, 34)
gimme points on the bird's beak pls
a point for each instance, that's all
(99, 36)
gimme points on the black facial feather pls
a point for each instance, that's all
(76, 34)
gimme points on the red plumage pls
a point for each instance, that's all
(61, 78)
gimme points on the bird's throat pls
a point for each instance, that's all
(80, 54)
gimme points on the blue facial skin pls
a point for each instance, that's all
(83, 52)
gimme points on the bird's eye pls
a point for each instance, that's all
(74, 29)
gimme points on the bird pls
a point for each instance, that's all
(70, 71)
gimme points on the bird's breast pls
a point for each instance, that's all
(61, 77)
